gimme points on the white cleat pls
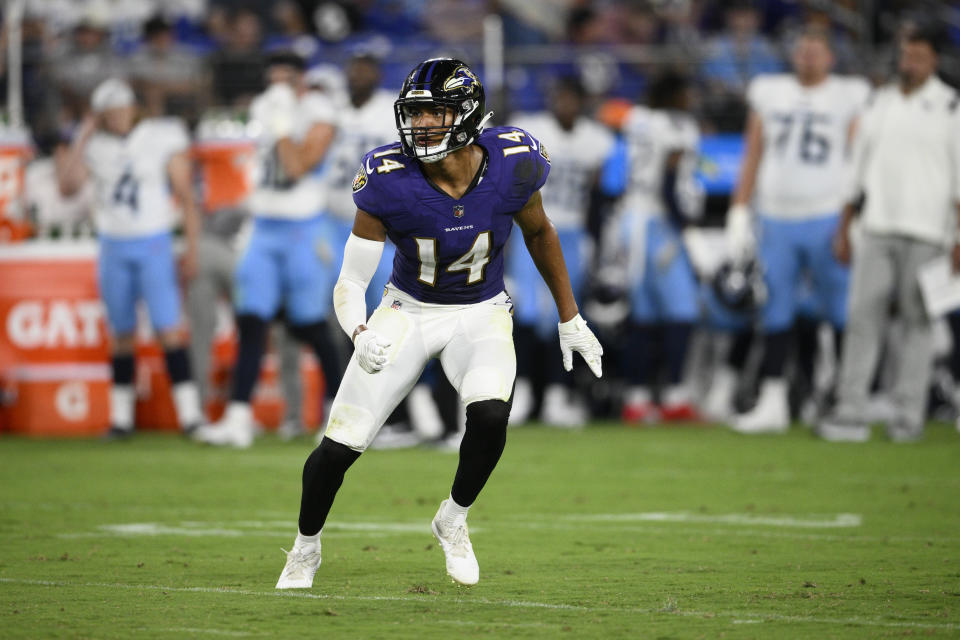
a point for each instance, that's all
(461, 563)
(772, 413)
(302, 564)
(560, 409)
(718, 404)
(235, 429)
(834, 430)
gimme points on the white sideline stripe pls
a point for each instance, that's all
(206, 529)
(87, 371)
(737, 617)
(837, 521)
(214, 632)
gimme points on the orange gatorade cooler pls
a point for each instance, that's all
(54, 356)
(225, 152)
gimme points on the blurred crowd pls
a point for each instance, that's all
(186, 56)
(204, 61)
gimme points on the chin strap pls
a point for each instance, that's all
(483, 122)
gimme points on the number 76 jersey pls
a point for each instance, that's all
(450, 250)
(804, 168)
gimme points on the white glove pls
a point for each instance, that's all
(576, 336)
(698, 248)
(274, 109)
(371, 349)
(741, 243)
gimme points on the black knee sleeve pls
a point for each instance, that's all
(483, 442)
(322, 476)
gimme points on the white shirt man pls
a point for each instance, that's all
(908, 176)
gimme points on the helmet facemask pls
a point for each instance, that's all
(425, 143)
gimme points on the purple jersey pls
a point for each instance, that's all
(449, 250)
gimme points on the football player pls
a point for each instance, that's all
(447, 195)
(578, 147)
(290, 248)
(793, 174)
(135, 165)
(662, 197)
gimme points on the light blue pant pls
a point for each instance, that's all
(666, 291)
(534, 304)
(289, 262)
(790, 249)
(130, 269)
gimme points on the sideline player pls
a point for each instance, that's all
(794, 170)
(579, 147)
(447, 195)
(662, 197)
(135, 165)
(363, 123)
(289, 250)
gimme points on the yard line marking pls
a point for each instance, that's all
(741, 616)
(837, 521)
(214, 632)
(234, 530)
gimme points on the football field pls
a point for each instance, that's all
(610, 532)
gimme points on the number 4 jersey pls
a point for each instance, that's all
(450, 250)
(804, 168)
(133, 197)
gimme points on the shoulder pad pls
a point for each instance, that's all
(524, 160)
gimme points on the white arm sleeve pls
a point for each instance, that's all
(360, 260)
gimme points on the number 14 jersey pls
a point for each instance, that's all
(450, 250)
(804, 168)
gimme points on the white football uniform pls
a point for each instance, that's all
(133, 197)
(278, 196)
(805, 167)
(576, 156)
(359, 129)
(474, 343)
(652, 135)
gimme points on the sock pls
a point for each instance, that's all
(322, 476)
(452, 513)
(774, 354)
(483, 441)
(640, 354)
(122, 406)
(304, 541)
(740, 349)
(676, 339)
(122, 399)
(186, 400)
(253, 342)
(637, 395)
(806, 348)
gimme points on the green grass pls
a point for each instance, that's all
(745, 548)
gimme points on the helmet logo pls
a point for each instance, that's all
(461, 77)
